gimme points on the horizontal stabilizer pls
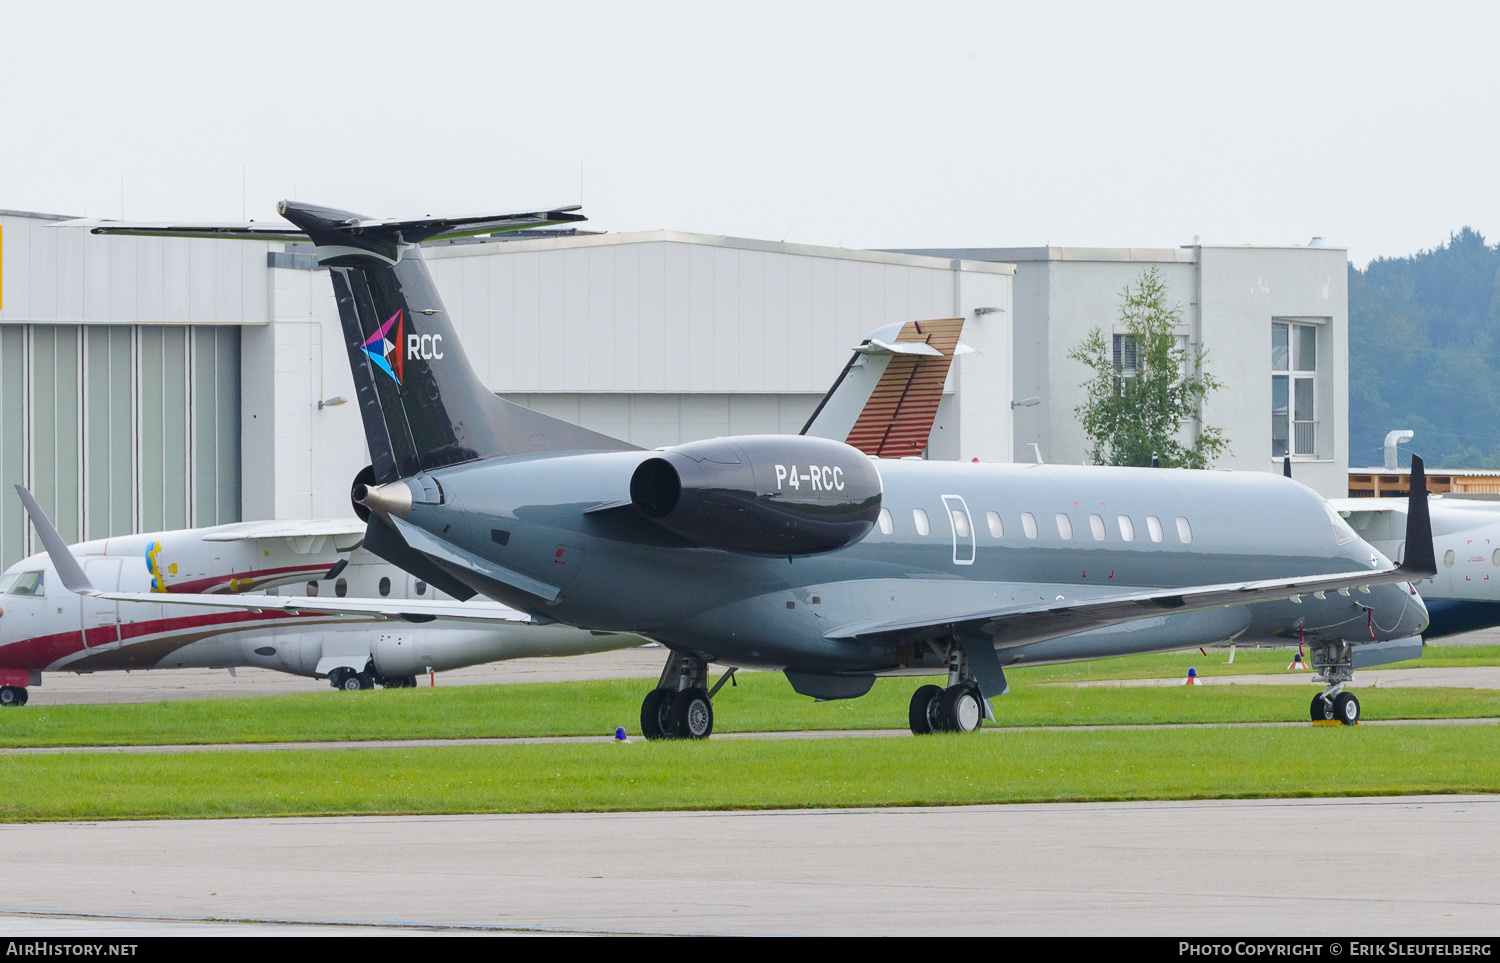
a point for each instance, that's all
(350, 227)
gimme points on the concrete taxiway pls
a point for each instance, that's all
(1393, 866)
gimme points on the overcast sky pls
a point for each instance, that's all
(864, 125)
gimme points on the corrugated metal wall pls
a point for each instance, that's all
(118, 428)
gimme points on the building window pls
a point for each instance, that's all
(1125, 354)
(1294, 368)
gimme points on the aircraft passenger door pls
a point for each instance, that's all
(101, 617)
(962, 526)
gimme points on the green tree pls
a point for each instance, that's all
(1137, 403)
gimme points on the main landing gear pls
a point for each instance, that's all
(12, 695)
(1334, 664)
(350, 681)
(681, 706)
(958, 708)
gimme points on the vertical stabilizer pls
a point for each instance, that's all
(885, 401)
(422, 403)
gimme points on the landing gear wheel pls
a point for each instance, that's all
(25, 697)
(1346, 709)
(656, 712)
(1322, 709)
(960, 710)
(12, 696)
(923, 712)
(692, 714)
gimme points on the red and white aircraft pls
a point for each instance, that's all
(45, 628)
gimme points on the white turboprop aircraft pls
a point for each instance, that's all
(44, 627)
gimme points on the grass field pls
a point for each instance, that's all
(1247, 661)
(762, 702)
(1009, 767)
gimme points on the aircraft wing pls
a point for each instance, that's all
(249, 531)
(410, 610)
(1019, 624)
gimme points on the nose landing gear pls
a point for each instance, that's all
(1334, 664)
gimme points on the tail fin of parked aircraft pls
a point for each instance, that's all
(886, 399)
(423, 405)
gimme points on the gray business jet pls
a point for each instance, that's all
(802, 553)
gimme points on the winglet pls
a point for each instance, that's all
(1419, 561)
(67, 566)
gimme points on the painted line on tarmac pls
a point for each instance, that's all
(768, 736)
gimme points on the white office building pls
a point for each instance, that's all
(1273, 320)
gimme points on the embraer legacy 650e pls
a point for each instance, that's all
(805, 554)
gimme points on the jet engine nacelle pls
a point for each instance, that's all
(761, 494)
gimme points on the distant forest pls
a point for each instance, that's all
(1424, 354)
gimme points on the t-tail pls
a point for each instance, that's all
(422, 403)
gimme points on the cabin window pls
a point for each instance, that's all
(341, 588)
(1096, 526)
(960, 523)
(312, 590)
(1127, 528)
(1153, 527)
(1495, 558)
(1064, 526)
(421, 587)
(385, 587)
(997, 527)
(1184, 530)
(924, 527)
(1028, 524)
(31, 583)
(1342, 533)
(1448, 558)
(887, 523)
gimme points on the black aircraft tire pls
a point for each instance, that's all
(692, 715)
(960, 709)
(655, 710)
(1322, 709)
(351, 682)
(920, 715)
(1346, 709)
(25, 696)
(10, 696)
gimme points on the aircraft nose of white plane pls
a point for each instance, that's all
(390, 499)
